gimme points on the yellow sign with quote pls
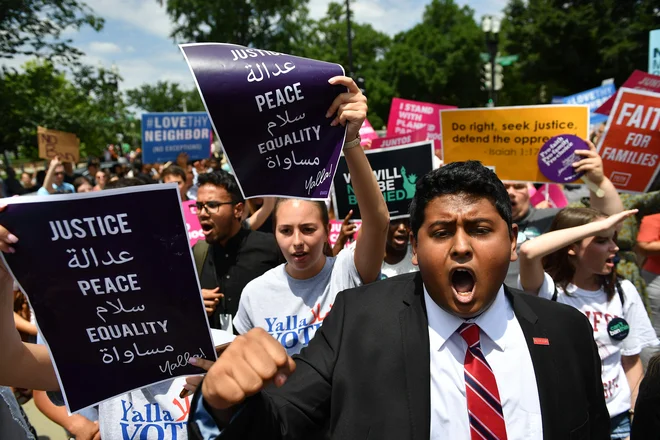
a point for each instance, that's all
(508, 139)
(53, 143)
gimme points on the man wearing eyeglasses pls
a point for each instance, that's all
(231, 256)
(533, 222)
(54, 182)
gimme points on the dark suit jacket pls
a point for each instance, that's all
(366, 372)
(646, 423)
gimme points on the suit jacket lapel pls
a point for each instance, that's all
(543, 360)
(415, 341)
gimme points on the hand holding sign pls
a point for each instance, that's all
(211, 299)
(560, 154)
(591, 165)
(54, 162)
(249, 363)
(351, 107)
(82, 428)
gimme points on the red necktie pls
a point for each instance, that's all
(483, 399)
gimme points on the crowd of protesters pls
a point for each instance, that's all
(265, 260)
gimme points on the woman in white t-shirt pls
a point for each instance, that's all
(291, 301)
(574, 264)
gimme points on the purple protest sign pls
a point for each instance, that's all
(557, 155)
(268, 110)
(115, 293)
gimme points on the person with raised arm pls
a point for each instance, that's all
(292, 300)
(533, 222)
(573, 264)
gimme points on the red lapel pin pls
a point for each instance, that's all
(541, 341)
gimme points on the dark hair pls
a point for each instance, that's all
(173, 170)
(222, 179)
(124, 182)
(469, 178)
(138, 166)
(80, 180)
(93, 162)
(40, 177)
(558, 264)
(325, 219)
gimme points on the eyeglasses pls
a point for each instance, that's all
(61, 173)
(212, 207)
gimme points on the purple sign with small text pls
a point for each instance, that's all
(557, 156)
(269, 111)
(114, 292)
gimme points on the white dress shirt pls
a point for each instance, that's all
(503, 344)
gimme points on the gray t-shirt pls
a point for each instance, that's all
(535, 223)
(402, 267)
(292, 310)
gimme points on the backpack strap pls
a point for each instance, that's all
(619, 290)
(200, 251)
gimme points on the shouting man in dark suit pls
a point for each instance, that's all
(446, 353)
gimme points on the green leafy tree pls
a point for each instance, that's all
(164, 97)
(328, 41)
(438, 59)
(567, 47)
(277, 25)
(35, 27)
(89, 106)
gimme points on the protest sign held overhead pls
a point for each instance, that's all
(630, 145)
(53, 143)
(402, 139)
(269, 111)
(508, 139)
(557, 156)
(113, 287)
(397, 170)
(638, 80)
(166, 135)
(407, 116)
(594, 98)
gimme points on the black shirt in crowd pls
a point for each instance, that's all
(246, 256)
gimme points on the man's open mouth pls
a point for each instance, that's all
(463, 281)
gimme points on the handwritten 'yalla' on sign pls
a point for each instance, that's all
(114, 293)
(269, 111)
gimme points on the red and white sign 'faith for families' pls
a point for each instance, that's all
(630, 146)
